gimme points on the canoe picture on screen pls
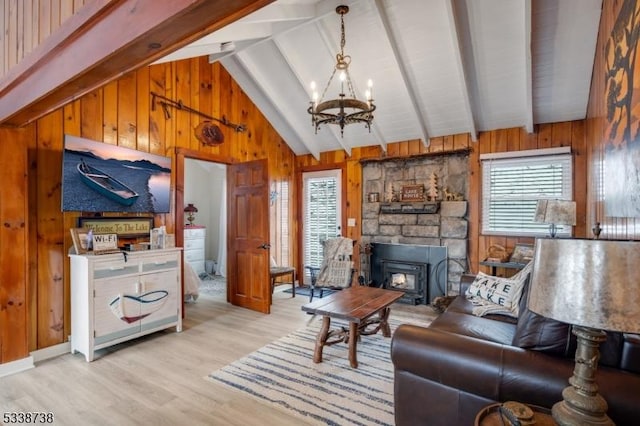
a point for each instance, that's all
(100, 177)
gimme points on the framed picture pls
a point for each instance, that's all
(156, 240)
(169, 240)
(124, 227)
(522, 253)
(79, 236)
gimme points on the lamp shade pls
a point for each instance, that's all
(558, 212)
(590, 283)
(191, 208)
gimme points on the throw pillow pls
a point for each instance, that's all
(497, 295)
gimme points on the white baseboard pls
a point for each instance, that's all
(35, 356)
(51, 352)
(17, 366)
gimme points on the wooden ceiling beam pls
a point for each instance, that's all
(103, 41)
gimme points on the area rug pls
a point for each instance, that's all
(212, 285)
(283, 374)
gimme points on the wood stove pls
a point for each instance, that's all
(408, 277)
(419, 271)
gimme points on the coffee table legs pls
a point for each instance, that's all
(321, 339)
(353, 344)
(384, 324)
(352, 339)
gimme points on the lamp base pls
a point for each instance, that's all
(565, 414)
(582, 404)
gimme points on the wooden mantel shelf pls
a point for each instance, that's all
(462, 151)
(425, 207)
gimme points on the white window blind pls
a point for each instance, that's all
(279, 216)
(321, 215)
(512, 186)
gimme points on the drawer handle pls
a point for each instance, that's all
(116, 268)
(161, 263)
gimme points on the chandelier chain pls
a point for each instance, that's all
(324, 92)
(343, 38)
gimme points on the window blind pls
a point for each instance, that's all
(321, 196)
(511, 188)
(279, 216)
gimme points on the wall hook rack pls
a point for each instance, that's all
(167, 103)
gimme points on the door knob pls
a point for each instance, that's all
(265, 246)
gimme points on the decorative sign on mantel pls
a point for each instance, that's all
(412, 193)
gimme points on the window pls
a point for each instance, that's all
(512, 184)
(279, 215)
(321, 212)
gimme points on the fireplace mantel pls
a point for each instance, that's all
(462, 151)
(410, 208)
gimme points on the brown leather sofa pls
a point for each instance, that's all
(446, 373)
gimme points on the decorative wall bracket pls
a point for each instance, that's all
(167, 103)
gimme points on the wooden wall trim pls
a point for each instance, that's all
(56, 73)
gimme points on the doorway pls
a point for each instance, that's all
(322, 213)
(205, 236)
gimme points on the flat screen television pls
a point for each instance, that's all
(99, 177)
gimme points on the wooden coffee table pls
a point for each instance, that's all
(358, 305)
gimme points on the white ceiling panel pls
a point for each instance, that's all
(439, 67)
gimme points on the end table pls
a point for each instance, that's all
(491, 416)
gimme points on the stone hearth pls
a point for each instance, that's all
(405, 222)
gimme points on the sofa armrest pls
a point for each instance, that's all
(465, 282)
(500, 372)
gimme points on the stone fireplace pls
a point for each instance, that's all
(428, 236)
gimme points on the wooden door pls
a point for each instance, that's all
(248, 240)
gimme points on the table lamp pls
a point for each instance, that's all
(555, 212)
(190, 210)
(589, 284)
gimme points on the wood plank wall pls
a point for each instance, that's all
(546, 136)
(14, 300)
(625, 228)
(121, 114)
(26, 23)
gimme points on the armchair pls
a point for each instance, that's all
(336, 270)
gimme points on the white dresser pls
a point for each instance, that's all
(194, 237)
(118, 297)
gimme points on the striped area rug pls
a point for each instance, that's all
(283, 373)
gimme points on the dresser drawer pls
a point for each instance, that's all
(194, 233)
(193, 255)
(161, 262)
(194, 244)
(114, 268)
(198, 266)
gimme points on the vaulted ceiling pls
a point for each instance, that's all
(439, 67)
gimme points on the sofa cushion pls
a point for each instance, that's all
(539, 333)
(473, 326)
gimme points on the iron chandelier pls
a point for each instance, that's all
(346, 109)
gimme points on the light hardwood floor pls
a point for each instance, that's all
(160, 379)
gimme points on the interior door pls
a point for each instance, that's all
(248, 240)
